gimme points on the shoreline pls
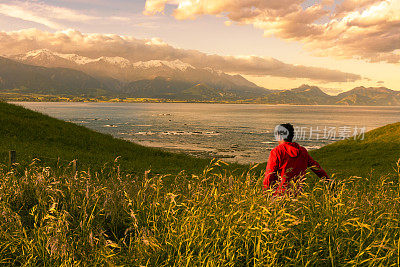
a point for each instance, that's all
(15, 97)
(161, 101)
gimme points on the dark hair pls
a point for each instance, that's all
(290, 128)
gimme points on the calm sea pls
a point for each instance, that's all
(236, 133)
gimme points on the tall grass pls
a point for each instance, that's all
(54, 217)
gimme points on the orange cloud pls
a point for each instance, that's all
(364, 29)
(155, 6)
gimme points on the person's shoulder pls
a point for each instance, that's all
(279, 149)
(302, 148)
(299, 147)
(276, 149)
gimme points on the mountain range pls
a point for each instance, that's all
(312, 95)
(127, 73)
(46, 72)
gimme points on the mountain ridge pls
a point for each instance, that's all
(122, 69)
(24, 78)
(313, 95)
(36, 79)
(19, 77)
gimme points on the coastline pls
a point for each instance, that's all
(36, 98)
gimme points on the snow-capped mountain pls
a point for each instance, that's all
(48, 57)
(126, 71)
(176, 64)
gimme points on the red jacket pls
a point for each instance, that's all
(290, 161)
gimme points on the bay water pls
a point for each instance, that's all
(232, 132)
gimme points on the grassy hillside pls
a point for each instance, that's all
(377, 153)
(379, 96)
(52, 217)
(34, 135)
(304, 95)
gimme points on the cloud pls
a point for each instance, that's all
(363, 29)
(96, 45)
(48, 15)
(155, 6)
(351, 5)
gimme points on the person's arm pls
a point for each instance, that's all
(271, 172)
(316, 168)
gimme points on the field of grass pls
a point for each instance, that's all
(54, 217)
(114, 212)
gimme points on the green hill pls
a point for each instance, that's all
(34, 135)
(376, 154)
(163, 88)
(377, 96)
(50, 217)
(303, 95)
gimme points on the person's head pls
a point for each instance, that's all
(284, 132)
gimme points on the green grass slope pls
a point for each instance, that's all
(377, 153)
(53, 217)
(50, 217)
(34, 135)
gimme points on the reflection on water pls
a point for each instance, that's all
(237, 133)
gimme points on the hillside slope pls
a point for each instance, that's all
(303, 95)
(376, 154)
(34, 135)
(376, 96)
(313, 95)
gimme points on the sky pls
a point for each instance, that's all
(336, 45)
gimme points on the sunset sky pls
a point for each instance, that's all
(336, 45)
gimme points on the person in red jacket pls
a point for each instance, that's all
(288, 161)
